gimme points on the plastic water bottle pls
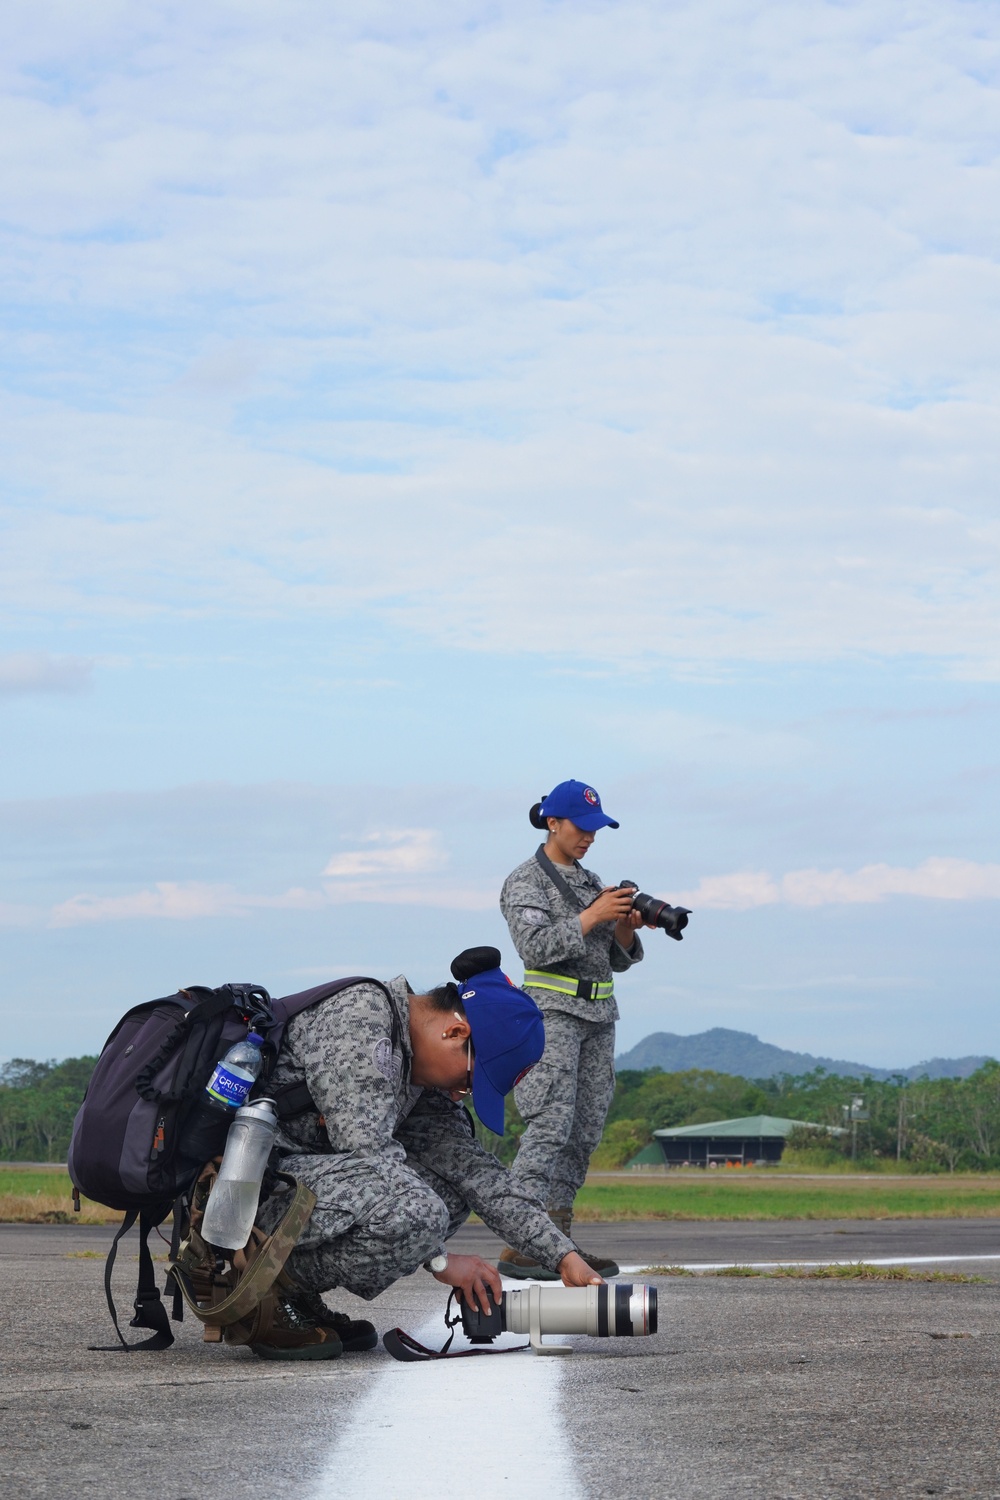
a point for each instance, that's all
(232, 1203)
(235, 1074)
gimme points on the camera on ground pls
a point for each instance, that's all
(620, 1310)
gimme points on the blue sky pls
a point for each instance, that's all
(405, 410)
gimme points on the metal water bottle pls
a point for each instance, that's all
(232, 1203)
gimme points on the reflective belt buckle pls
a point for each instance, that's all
(565, 984)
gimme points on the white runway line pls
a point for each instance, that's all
(776, 1265)
(423, 1431)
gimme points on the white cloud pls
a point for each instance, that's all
(703, 302)
(935, 879)
(180, 901)
(39, 672)
(185, 901)
(393, 869)
(737, 892)
(396, 851)
(473, 896)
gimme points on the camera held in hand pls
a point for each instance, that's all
(672, 919)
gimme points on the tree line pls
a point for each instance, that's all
(939, 1124)
(37, 1103)
(927, 1124)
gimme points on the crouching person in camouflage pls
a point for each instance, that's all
(369, 1087)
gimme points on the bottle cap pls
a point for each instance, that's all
(254, 1036)
(259, 1109)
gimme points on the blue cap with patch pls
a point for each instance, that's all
(508, 1032)
(578, 802)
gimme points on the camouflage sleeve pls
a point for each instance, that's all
(439, 1135)
(540, 934)
(351, 1068)
(624, 958)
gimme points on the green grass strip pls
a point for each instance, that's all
(854, 1271)
(836, 1198)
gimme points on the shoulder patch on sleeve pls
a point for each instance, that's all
(534, 915)
(383, 1059)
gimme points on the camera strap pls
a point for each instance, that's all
(404, 1347)
(562, 886)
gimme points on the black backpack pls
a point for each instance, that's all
(142, 1133)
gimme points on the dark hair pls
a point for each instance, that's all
(473, 961)
(444, 998)
(535, 817)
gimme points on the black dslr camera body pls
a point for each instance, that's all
(672, 919)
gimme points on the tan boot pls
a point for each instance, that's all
(562, 1218)
(522, 1267)
(287, 1333)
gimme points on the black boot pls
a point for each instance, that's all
(354, 1334)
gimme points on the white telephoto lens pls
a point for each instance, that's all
(619, 1310)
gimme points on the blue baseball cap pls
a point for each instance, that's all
(578, 802)
(508, 1034)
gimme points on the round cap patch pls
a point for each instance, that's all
(589, 795)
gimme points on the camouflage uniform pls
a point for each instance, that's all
(565, 1098)
(395, 1168)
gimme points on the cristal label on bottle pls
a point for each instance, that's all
(230, 1087)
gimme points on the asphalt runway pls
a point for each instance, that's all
(756, 1388)
(673, 1242)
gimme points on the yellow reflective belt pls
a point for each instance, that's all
(563, 984)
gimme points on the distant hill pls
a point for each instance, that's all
(747, 1056)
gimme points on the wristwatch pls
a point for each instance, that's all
(437, 1262)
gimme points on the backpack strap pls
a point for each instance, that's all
(290, 1005)
(204, 1005)
(296, 1098)
(149, 1309)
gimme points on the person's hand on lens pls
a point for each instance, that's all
(575, 1272)
(473, 1278)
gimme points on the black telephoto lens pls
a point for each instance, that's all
(672, 919)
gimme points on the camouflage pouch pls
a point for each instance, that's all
(233, 1291)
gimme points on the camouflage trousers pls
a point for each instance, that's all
(564, 1101)
(361, 1236)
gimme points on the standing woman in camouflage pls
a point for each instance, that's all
(573, 933)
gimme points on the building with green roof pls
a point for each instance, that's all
(754, 1139)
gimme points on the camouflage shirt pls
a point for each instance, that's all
(353, 1053)
(547, 934)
